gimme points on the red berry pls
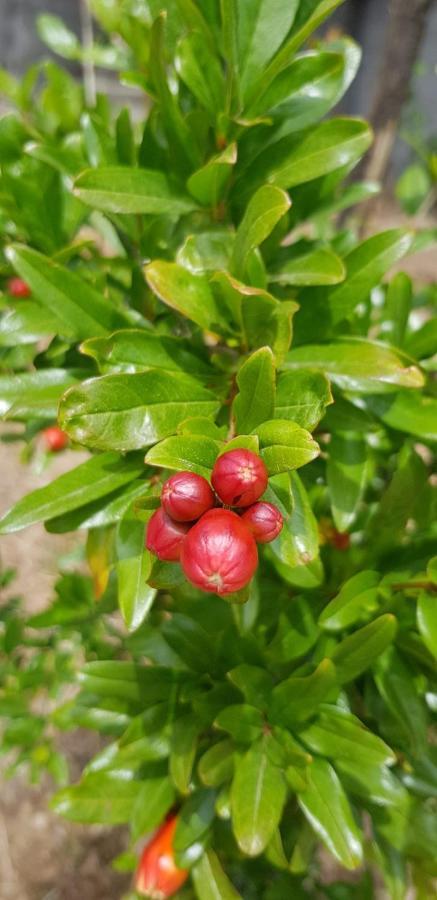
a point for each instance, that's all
(239, 477)
(16, 287)
(219, 554)
(157, 875)
(264, 521)
(186, 496)
(164, 537)
(55, 439)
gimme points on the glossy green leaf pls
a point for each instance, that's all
(431, 569)
(199, 68)
(346, 474)
(302, 396)
(318, 267)
(186, 452)
(262, 28)
(208, 184)
(255, 401)
(341, 736)
(316, 14)
(126, 412)
(296, 551)
(306, 89)
(105, 798)
(125, 138)
(297, 631)
(155, 798)
(135, 350)
(365, 266)
(134, 565)
(427, 620)
(325, 805)
(34, 394)
(243, 722)
(285, 445)
(374, 784)
(257, 799)
(423, 342)
(190, 641)
(206, 251)
(360, 650)
(188, 294)
(92, 479)
(263, 212)
(395, 682)
(121, 189)
(26, 324)
(357, 365)
(99, 513)
(298, 698)
(313, 153)
(194, 821)
(398, 501)
(122, 680)
(166, 576)
(83, 311)
(55, 34)
(210, 881)
(261, 318)
(397, 308)
(357, 600)
(406, 411)
(254, 683)
(185, 735)
(217, 764)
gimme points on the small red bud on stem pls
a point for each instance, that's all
(264, 521)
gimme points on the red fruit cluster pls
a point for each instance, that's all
(16, 287)
(157, 875)
(216, 546)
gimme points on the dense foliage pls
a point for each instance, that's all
(191, 293)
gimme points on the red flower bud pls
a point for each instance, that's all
(55, 439)
(186, 496)
(157, 875)
(340, 540)
(264, 521)
(329, 535)
(239, 477)
(16, 287)
(164, 537)
(219, 554)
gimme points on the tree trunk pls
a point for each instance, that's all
(404, 34)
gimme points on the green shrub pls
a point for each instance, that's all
(190, 287)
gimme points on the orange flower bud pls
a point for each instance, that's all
(158, 876)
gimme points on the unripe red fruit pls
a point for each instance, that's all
(186, 496)
(158, 876)
(16, 287)
(164, 537)
(264, 521)
(219, 554)
(239, 477)
(55, 439)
